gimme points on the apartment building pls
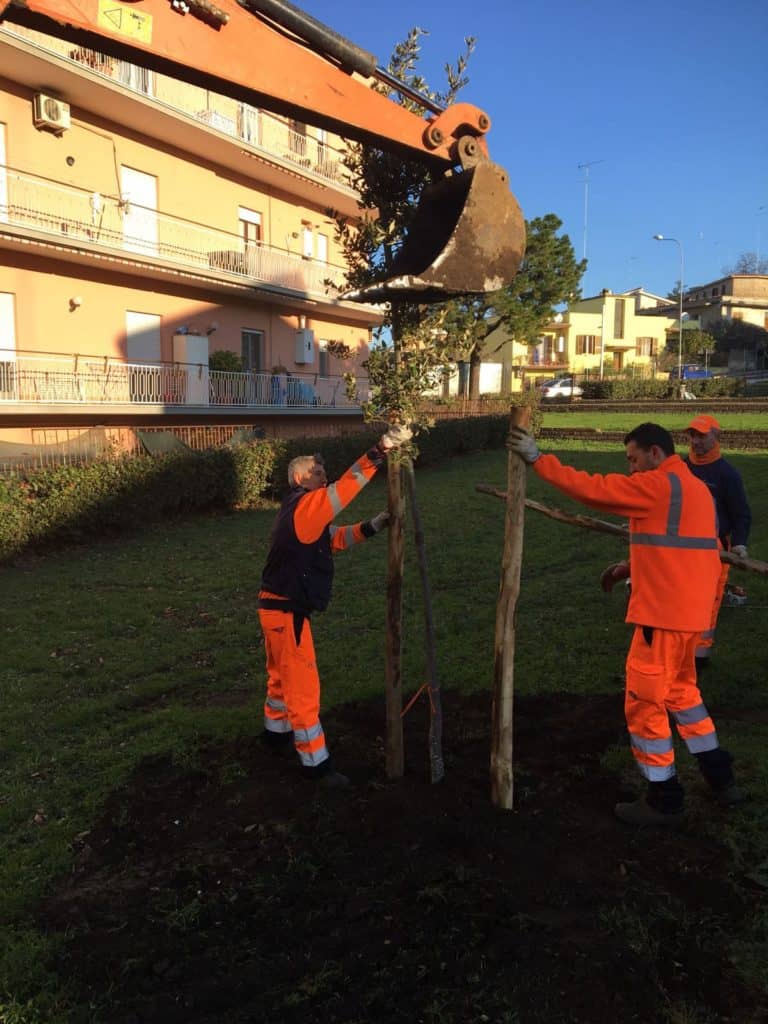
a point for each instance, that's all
(146, 223)
(609, 333)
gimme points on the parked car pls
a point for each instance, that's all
(561, 387)
(691, 371)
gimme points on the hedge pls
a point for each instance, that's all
(67, 504)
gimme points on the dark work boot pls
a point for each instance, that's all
(716, 767)
(280, 743)
(326, 776)
(662, 805)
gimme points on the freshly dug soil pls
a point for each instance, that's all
(237, 891)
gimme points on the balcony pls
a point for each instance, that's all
(44, 379)
(262, 133)
(32, 204)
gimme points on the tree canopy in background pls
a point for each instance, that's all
(747, 263)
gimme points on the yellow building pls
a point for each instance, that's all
(146, 223)
(604, 334)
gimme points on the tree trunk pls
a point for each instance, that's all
(474, 374)
(502, 788)
(436, 764)
(394, 760)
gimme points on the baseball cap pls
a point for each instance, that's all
(703, 424)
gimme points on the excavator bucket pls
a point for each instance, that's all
(467, 237)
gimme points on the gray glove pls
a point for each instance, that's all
(379, 522)
(396, 436)
(522, 443)
(740, 550)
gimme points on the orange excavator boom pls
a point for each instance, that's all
(270, 54)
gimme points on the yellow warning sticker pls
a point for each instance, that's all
(126, 20)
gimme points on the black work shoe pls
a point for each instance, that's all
(280, 743)
(640, 812)
(729, 796)
(333, 780)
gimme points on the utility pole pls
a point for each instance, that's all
(585, 167)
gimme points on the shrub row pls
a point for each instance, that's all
(73, 503)
(638, 388)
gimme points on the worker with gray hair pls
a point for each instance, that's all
(296, 582)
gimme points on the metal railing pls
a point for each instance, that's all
(49, 379)
(252, 127)
(40, 204)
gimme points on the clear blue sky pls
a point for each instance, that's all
(671, 97)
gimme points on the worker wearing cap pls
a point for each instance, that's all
(734, 517)
(675, 562)
(296, 582)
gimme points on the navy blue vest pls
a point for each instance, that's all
(303, 573)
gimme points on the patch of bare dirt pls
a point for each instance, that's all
(239, 892)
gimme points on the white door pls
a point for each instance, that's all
(7, 344)
(3, 177)
(142, 332)
(139, 191)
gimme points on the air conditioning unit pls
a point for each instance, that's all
(50, 113)
(305, 345)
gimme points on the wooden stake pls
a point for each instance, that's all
(601, 526)
(436, 764)
(502, 789)
(393, 672)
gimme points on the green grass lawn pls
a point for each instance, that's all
(577, 417)
(112, 652)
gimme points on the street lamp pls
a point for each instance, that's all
(666, 238)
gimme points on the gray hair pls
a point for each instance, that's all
(299, 466)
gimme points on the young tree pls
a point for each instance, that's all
(398, 373)
(549, 275)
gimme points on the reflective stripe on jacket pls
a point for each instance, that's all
(674, 555)
(299, 565)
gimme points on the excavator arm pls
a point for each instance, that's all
(468, 234)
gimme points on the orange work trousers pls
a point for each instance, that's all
(707, 638)
(293, 685)
(661, 681)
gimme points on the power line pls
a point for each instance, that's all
(585, 167)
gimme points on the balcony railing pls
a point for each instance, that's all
(66, 212)
(261, 131)
(36, 377)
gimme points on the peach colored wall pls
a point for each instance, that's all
(45, 323)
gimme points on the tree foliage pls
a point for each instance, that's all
(549, 275)
(747, 263)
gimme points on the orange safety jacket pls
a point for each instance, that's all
(299, 567)
(674, 550)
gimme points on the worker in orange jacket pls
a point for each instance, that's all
(296, 582)
(675, 560)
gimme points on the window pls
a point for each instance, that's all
(618, 318)
(322, 358)
(586, 344)
(252, 348)
(645, 346)
(307, 241)
(250, 225)
(297, 138)
(321, 248)
(248, 123)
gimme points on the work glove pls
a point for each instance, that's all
(395, 437)
(379, 522)
(740, 550)
(610, 577)
(522, 443)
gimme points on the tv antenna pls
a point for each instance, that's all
(585, 167)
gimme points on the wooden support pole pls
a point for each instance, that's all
(601, 526)
(436, 764)
(502, 789)
(393, 670)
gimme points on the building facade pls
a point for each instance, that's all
(146, 223)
